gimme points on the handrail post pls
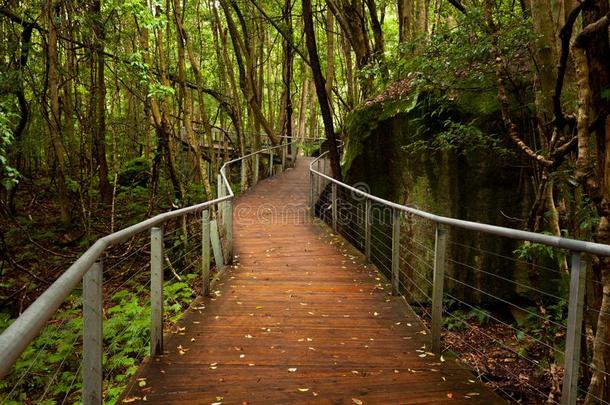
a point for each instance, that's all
(318, 180)
(395, 252)
(156, 291)
(334, 206)
(244, 175)
(220, 191)
(440, 248)
(256, 163)
(229, 230)
(284, 152)
(312, 206)
(367, 228)
(271, 163)
(578, 273)
(92, 335)
(205, 252)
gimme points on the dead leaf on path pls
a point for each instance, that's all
(292, 369)
(303, 389)
(131, 399)
(357, 401)
(450, 395)
(248, 336)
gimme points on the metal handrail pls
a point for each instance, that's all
(17, 336)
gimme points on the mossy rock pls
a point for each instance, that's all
(135, 172)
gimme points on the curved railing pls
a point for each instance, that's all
(88, 269)
(349, 211)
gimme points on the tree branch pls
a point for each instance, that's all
(565, 35)
(511, 127)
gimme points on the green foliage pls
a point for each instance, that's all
(53, 358)
(9, 176)
(544, 325)
(537, 252)
(459, 317)
(134, 173)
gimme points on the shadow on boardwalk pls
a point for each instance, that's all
(301, 318)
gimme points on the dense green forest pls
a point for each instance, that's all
(111, 111)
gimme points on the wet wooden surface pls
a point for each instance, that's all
(302, 318)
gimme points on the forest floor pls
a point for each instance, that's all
(494, 353)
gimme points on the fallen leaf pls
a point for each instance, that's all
(450, 395)
(292, 369)
(131, 399)
(357, 401)
(303, 389)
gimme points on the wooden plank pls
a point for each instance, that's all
(299, 298)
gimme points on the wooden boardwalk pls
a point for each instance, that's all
(302, 318)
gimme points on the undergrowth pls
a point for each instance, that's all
(48, 372)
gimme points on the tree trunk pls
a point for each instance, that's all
(187, 100)
(323, 99)
(405, 19)
(98, 100)
(54, 113)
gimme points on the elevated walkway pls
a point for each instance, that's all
(302, 317)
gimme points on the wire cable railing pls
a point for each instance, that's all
(457, 285)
